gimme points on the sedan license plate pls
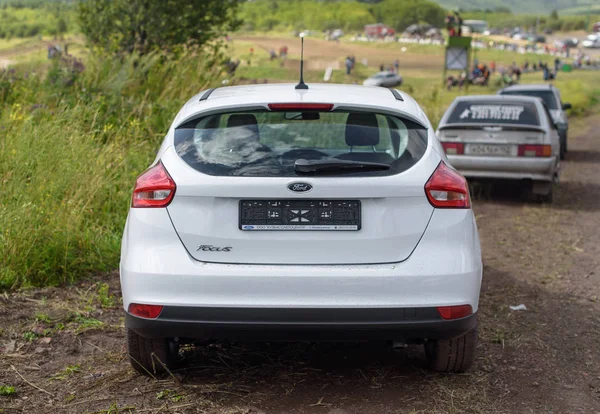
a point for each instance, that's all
(493, 150)
(336, 215)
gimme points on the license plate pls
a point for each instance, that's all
(494, 150)
(327, 215)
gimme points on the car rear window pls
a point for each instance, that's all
(547, 96)
(482, 112)
(267, 144)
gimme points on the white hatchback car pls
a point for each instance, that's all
(272, 213)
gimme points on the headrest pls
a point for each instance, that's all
(244, 120)
(362, 130)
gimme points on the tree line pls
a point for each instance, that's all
(264, 15)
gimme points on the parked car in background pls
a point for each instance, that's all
(503, 137)
(535, 38)
(387, 79)
(591, 42)
(275, 213)
(551, 97)
(571, 43)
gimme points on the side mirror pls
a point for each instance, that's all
(567, 106)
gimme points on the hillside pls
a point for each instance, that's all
(520, 6)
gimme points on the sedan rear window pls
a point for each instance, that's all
(270, 144)
(482, 112)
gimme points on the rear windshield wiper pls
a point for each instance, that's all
(303, 166)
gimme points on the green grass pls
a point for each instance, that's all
(582, 10)
(71, 149)
(52, 20)
(7, 390)
(66, 372)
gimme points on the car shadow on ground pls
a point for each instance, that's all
(568, 195)
(583, 156)
(577, 196)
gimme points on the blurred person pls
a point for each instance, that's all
(459, 23)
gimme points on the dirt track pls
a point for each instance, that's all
(542, 360)
(317, 50)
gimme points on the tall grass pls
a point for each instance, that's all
(71, 146)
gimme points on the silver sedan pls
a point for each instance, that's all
(506, 137)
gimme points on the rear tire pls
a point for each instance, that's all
(563, 146)
(452, 355)
(151, 356)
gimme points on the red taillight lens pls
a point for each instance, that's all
(300, 107)
(145, 311)
(455, 312)
(535, 151)
(154, 188)
(454, 148)
(446, 188)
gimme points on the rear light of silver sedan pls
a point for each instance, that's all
(454, 148)
(535, 151)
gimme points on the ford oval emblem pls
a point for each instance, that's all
(299, 187)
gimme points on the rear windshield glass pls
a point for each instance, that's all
(265, 144)
(479, 112)
(547, 96)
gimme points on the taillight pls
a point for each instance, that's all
(535, 151)
(145, 311)
(455, 312)
(447, 188)
(154, 188)
(454, 148)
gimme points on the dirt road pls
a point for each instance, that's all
(64, 348)
(318, 50)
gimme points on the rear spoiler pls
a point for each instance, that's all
(498, 128)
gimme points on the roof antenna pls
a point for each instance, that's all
(302, 85)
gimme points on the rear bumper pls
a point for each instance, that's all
(311, 324)
(445, 269)
(517, 168)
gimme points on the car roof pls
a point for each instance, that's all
(231, 97)
(499, 98)
(533, 87)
